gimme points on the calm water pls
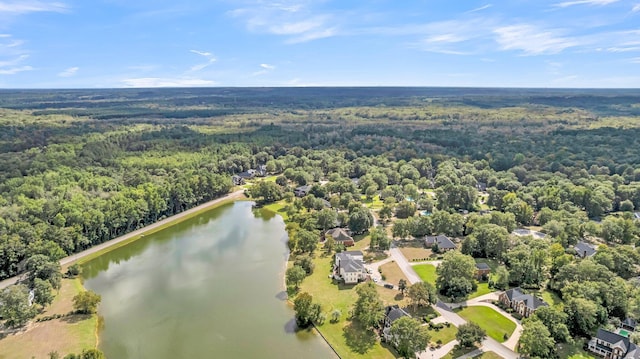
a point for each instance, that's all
(209, 287)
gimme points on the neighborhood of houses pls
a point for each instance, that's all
(349, 267)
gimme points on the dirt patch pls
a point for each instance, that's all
(392, 273)
(416, 253)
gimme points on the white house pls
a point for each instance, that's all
(349, 267)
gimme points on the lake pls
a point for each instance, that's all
(209, 287)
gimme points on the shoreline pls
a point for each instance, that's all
(127, 238)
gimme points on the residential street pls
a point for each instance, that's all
(505, 349)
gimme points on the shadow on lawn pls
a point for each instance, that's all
(359, 339)
(75, 318)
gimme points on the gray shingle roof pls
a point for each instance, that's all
(442, 241)
(482, 266)
(394, 313)
(584, 249)
(614, 339)
(530, 301)
(339, 234)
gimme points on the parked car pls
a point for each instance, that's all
(387, 285)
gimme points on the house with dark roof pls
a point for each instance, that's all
(340, 236)
(482, 270)
(349, 267)
(584, 249)
(613, 346)
(237, 180)
(302, 191)
(391, 314)
(249, 174)
(442, 242)
(481, 186)
(629, 324)
(522, 303)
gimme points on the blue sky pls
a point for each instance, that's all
(151, 43)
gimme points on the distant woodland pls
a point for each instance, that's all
(80, 167)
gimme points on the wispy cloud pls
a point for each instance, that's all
(15, 70)
(14, 66)
(265, 68)
(3, 36)
(210, 60)
(166, 82)
(635, 60)
(69, 72)
(585, 2)
(13, 62)
(296, 20)
(480, 8)
(636, 8)
(29, 6)
(532, 40)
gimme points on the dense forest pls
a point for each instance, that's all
(80, 167)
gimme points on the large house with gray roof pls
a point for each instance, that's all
(521, 303)
(349, 267)
(391, 314)
(441, 242)
(613, 346)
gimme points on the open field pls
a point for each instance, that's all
(66, 335)
(494, 323)
(566, 350)
(427, 272)
(392, 273)
(414, 250)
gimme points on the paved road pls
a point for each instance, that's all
(437, 353)
(72, 258)
(404, 265)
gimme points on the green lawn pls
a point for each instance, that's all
(445, 334)
(551, 298)
(488, 355)
(427, 272)
(566, 350)
(278, 208)
(374, 203)
(494, 323)
(483, 288)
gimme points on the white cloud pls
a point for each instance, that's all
(297, 20)
(266, 68)
(201, 53)
(15, 70)
(29, 6)
(13, 62)
(69, 72)
(532, 40)
(446, 38)
(635, 60)
(210, 60)
(2, 36)
(480, 8)
(585, 2)
(636, 8)
(166, 82)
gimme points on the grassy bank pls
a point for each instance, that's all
(70, 334)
